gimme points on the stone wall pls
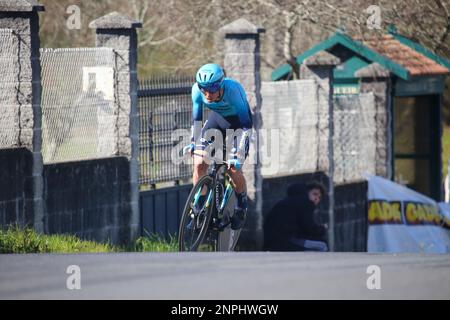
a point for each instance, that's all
(16, 206)
(94, 198)
(119, 32)
(350, 217)
(89, 198)
(20, 120)
(242, 63)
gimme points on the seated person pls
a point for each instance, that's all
(290, 225)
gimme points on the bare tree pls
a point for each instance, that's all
(427, 22)
(442, 42)
(153, 23)
(179, 35)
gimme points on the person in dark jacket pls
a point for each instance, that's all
(290, 225)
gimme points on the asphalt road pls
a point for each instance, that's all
(244, 275)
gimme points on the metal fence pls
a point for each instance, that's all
(165, 105)
(354, 137)
(78, 104)
(9, 134)
(290, 108)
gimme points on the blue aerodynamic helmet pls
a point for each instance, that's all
(210, 77)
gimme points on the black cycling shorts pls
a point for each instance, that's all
(216, 121)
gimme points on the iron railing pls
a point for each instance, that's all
(165, 105)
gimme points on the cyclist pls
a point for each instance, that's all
(229, 109)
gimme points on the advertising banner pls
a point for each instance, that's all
(403, 220)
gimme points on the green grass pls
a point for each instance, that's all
(25, 240)
(17, 240)
(154, 243)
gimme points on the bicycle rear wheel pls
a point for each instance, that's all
(226, 238)
(196, 215)
(229, 238)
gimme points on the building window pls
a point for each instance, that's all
(416, 144)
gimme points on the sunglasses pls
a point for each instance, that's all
(211, 88)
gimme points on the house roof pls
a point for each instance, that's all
(397, 54)
(416, 63)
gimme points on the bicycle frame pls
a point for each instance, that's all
(227, 194)
(226, 197)
(215, 166)
(208, 200)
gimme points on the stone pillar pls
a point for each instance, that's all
(320, 68)
(21, 94)
(376, 79)
(242, 63)
(119, 32)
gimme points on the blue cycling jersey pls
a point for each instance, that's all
(233, 103)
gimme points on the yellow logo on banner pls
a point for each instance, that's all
(381, 212)
(420, 213)
(385, 212)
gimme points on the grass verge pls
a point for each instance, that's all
(25, 240)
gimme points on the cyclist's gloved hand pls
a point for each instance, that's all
(189, 148)
(235, 163)
(234, 159)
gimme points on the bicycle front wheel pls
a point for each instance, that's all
(196, 215)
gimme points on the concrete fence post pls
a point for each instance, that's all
(320, 68)
(20, 96)
(242, 63)
(119, 32)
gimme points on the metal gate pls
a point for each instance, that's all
(164, 105)
(161, 209)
